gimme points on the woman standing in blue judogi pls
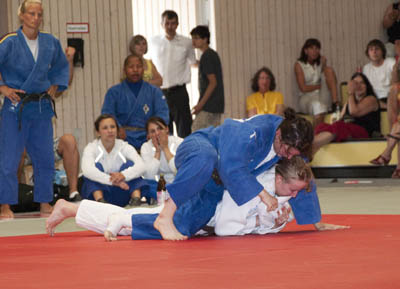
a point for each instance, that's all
(33, 67)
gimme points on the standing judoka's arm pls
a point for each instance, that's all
(138, 168)
(59, 71)
(10, 93)
(70, 53)
(52, 91)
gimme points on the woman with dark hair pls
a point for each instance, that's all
(264, 99)
(233, 154)
(111, 168)
(316, 81)
(159, 151)
(138, 47)
(359, 118)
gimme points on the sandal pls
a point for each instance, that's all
(396, 174)
(397, 138)
(380, 161)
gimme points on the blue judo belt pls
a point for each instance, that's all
(25, 98)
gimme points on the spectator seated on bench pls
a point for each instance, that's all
(359, 118)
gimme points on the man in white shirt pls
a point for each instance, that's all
(173, 54)
(379, 70)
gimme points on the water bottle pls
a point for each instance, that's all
(60, 178)
(161, 190)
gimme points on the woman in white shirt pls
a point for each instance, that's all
(158, 154)
(111, 167)
(159, 151)
(316, 81)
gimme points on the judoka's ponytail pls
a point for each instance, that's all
(297, 132)
(24, 4)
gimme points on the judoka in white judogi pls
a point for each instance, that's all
(229, 219)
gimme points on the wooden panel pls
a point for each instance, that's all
(274, 32)
(4, 23)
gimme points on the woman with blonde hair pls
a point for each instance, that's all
(33, 68)
(138, 47)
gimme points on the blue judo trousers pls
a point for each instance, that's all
(112, 194)
(236, 143)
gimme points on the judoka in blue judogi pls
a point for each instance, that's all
(238, 151)
(33, 72)
(134, 101)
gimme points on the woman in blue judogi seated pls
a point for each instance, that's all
(111, 167)
(133, 102)
(33, 68)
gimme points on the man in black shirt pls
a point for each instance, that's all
(210, 107)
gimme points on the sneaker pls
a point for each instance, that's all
(135, 202)
(76, 198)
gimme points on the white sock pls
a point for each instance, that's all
(118, 221)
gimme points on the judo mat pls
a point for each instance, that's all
(365, 256)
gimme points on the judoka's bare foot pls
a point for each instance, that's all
(165, 225)
(61, 211)
(45, 209)
(6, 212)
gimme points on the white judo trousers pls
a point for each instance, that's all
(94, 215)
